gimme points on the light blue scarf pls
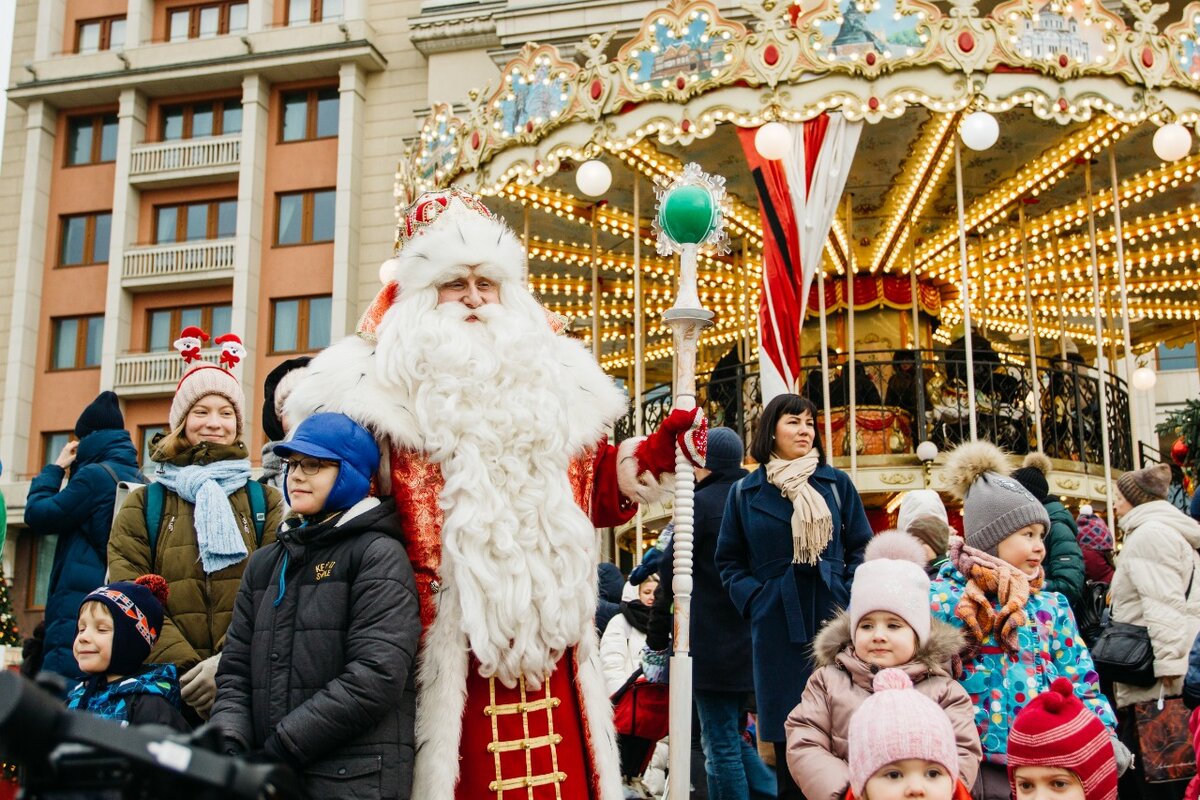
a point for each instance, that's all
(206, 487)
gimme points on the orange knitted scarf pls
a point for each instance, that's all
(991, 580)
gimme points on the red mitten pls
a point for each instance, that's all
(656, 454)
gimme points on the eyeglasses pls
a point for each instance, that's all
(309, 465)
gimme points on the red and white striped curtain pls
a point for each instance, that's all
(798, 197)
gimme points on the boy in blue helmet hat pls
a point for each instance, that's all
(316, 672)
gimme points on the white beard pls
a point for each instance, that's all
(492, 406)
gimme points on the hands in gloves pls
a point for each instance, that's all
(198, 686)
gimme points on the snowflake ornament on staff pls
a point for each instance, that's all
(689, 217)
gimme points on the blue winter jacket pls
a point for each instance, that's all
(149, 697)
(1191, 682)
(81, 514)
(786, 603)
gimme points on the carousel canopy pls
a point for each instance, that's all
(1079, 93)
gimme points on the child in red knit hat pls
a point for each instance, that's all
(1058, 748)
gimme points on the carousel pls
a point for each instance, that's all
(940, 221)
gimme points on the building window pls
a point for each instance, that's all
(206, 21)
(91, 139)
(52, 445)
(195, 120)
(1175, 359)
(195, 222)
(305, 217)
(165, 324)
(77, 342)
(301, 324)
(84, 239)
(302, 12)
(94, 35)
(41, 561)
(146, 434)
(309, 114)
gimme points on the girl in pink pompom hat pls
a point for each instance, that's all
(887, 627)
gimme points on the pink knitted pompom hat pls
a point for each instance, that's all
(896, 723)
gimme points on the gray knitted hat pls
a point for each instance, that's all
(994, 505)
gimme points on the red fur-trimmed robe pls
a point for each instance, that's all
(514, 739)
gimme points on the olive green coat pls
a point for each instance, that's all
(199, 607)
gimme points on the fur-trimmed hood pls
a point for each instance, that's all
(835, 645)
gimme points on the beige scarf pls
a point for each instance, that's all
(812, 521)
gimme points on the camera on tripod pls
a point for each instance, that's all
(68, 755)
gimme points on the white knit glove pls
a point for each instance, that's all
(198, 686)
(1124, 757)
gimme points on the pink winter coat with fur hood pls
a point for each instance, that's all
(817, 728)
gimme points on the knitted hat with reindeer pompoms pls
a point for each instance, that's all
(994, 505)
(203, 378)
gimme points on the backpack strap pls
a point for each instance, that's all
(153, 512)
(258, 508)
(112, 473)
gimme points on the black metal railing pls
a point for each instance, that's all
(905, 397)
(1148, 455)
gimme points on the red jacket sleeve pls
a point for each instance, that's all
(609, 507)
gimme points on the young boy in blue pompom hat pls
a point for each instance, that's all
(316, 672)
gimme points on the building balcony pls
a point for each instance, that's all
(181, 265)
(152, 374)
(161, 164)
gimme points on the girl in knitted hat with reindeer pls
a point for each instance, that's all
(1019, 637)
(199, 521)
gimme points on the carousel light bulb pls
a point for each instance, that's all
(1143, 379)
(1172, 142)
(979, 130)
(773, 141)
(927, 451)
(593, 178)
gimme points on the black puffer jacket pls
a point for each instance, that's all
(318, 662)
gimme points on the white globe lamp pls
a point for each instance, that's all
(1172, 142)
(593, 178)
(927, 451)
(1143, 379)
(979, 130)
(773, 141)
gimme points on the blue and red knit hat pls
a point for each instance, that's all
(137, 610)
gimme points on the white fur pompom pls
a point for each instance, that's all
(389, 271)
(967, 462)
(895, 545)
(1038, 461)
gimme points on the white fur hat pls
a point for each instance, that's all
(920, 503)
(442, 234)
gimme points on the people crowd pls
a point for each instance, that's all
(412, 606)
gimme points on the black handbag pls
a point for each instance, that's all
(1124, 654)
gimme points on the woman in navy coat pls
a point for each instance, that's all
(787, 557)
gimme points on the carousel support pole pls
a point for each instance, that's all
(639, 368)
(983, 289)
(525, 229)
(965, 288)
(1126, 339)
(825, 398)
(1058, 289)
(851, 363)
(597, 345)
(747, 297)
(914, 291)
(1034, 380)
(689, 216)
(1103, 385)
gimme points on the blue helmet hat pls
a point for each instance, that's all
(336, 437)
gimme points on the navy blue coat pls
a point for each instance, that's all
(720, 645)
(787, 603)
(81, 514)
(1191, 682)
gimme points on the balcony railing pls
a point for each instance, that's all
(205, 261)
(895, 410)
(206, 156)
(144, 374)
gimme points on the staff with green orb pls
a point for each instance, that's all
(689, 217)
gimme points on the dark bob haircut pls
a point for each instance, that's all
(764, 438)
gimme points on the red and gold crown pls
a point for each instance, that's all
(428, 207)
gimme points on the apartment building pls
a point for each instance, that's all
(227, 163)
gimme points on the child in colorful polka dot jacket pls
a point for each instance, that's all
(1019, 638)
